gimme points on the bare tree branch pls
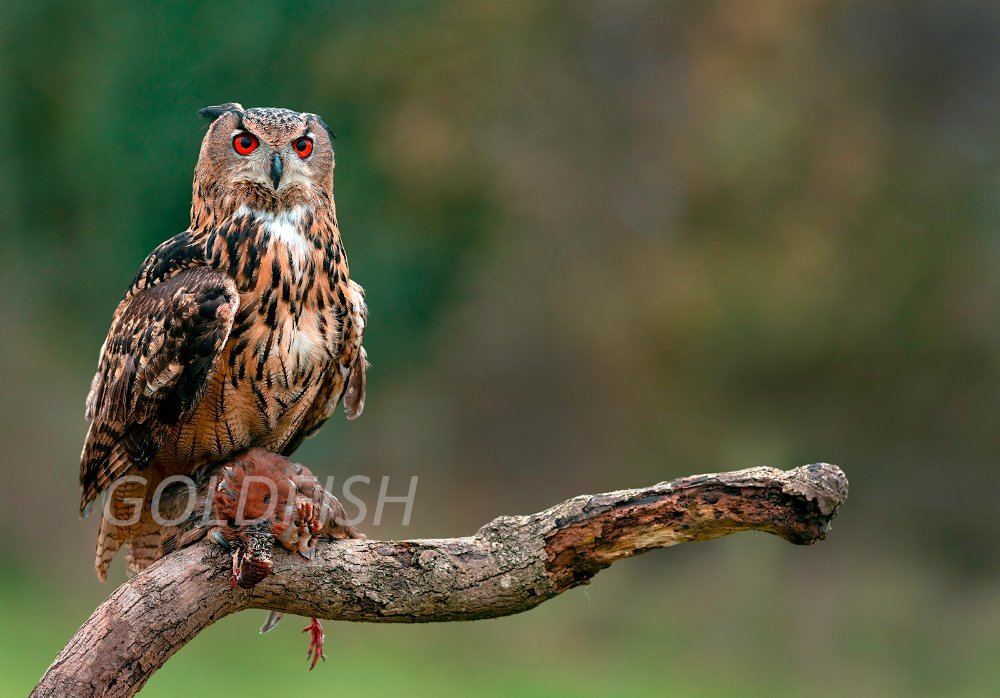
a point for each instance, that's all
(511, 565)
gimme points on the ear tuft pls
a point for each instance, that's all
(319, 120)
(210, 114)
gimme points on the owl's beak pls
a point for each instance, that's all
(276, 169)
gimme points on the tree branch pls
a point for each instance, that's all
(511, 565)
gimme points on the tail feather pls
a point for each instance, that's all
(109, 540)
(140, 551)
(139, 540)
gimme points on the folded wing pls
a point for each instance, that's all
(160, 355)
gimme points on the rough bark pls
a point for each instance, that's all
(511, 565)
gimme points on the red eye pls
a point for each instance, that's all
(303, 147)
(244, 143)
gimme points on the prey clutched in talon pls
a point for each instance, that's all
(261, 499)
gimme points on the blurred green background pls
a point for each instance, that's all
(605, 244)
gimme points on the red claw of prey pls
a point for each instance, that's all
(315, 652)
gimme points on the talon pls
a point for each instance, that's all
(315, 652)
(217, 536)
(237, 560)
(307, 546)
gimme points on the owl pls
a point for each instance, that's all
(244, 331)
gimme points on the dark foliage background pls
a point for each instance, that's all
(605, 244)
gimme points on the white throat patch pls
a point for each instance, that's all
(283, 227)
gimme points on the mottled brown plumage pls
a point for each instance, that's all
(244, 331)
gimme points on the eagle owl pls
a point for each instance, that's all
(244, 331)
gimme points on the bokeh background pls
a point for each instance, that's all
(605, 244)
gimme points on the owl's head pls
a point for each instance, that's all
(263, 158)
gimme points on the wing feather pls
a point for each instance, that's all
(160, 354)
